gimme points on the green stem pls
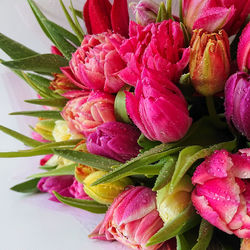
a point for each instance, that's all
(212, 112)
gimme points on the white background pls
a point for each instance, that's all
(31, 222)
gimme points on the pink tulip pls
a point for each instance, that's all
(59, 184)
(131, 219)
(243, 54)
(158, 109)
(96, 64)
(44, 160)
(213, 15)
(85, 114)
(100, 16)
(115, 140)
(237, 102)
(77, 191)
(222, 192)
(159, 47)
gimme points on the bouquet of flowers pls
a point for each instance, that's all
(147, 121)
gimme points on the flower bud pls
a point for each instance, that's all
(145, 11)
(62, 84)
(209, 61)
(45, 129)
(61, 132)
(107, 192)
(237, 102)
(171, 205)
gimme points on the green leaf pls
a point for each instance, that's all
(49, 114)
(205, 236)
(25, 139)
(120, 107)
(75, 15)
(145, 143)
(39, 85)
(182, 223)
(29, 186)
(77, 12)
(187, 37)
(57, 34)
(71, 22)
(166, 173)
(162, 13)
(66, 170)
(127, 168)
(180, 11)
(53, 102)
(188, 157)
(182, 243)
(44, 149)
(183, 163)
(46, 63)
(91, 206)
(169, 9)
(95, 161)
(14, 49)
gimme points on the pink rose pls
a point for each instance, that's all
(85, 114)
(222, 192)
(159, 47)
(96, 64)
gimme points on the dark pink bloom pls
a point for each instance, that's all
(44, 160)
(213, 15)
(158, 109)
(131, 219)
(159, 47)
(55, 51)
(100, 16)
(243, 54)
(96, 64)
(59, 184)
(237, 102)
(38, 137)
(77, 191)
(85, 114)
(115, 140)
(222, 192)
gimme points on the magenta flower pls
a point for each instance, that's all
(243, 54)
(237, 102)
(222, 192)
(213, 15)
(159, 47)
(158, 109)
(131, 219)
(77, 191)
(85, 114)
(115, 140)
(96, 64)
(59, 184)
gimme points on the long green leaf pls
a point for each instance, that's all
(91, 206)
(71, 22)
(78, 12)
(124, 169)
(25, 139)
(187, 160)
(29, 186)
(182, 223)
(88, 159)
(166, 173)
(14, 49)
(162, 13)
(66, 170)
(75, 15)
(45, 63)
(205, 236)
(50, 114)
(182, 243)
(53, 102)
